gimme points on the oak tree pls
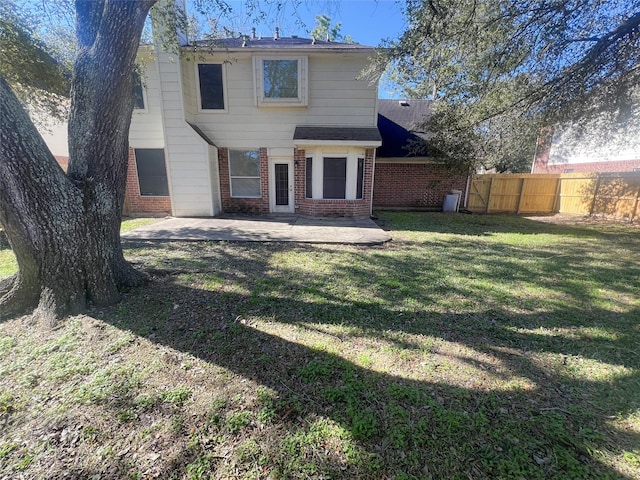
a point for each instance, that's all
(64, 228)
(499, 70)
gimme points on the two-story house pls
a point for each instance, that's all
(594, 146)
(254, 125)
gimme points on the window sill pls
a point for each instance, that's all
(282, 104)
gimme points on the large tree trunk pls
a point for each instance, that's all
(65, 229)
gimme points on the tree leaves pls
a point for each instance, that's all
(27, 64)
(502, 69)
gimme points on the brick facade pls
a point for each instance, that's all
(414, 185)
(63, 161)
(588, 167)
(136, 204)
(243, 205)
(396, 185)
(332, 207)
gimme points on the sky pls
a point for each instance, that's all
(367, 21)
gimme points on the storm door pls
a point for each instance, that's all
(281, 186)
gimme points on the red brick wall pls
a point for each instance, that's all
(414, 185)
(243, 205)
(136, 204)
(543, 149)
(62, 161)
(332, 208)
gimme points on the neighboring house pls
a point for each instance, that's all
(593, 147)
(255, 125)
(404, 179)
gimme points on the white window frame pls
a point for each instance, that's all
(143, 79)
(303, 82)
(317, 177)
(224, 89)
(231, 177)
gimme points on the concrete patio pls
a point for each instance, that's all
(264, 228)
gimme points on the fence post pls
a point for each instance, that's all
(520, 196)
(556, 199)
(635, 208)
(490, 191)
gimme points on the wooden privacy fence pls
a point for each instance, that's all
(610, 194)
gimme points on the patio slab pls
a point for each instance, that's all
(267, 228)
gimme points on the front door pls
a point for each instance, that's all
(281, 186)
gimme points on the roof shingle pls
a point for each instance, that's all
(270, 43)
(401, 123)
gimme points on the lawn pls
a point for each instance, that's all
(468, 347)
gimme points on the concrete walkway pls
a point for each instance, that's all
(266, 228)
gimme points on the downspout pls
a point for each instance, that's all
(535, 154)
(373, 173)
(466, 192)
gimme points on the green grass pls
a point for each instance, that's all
(131, 223)
(468, 347)
(8, 265)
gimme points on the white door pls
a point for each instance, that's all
(281, 198)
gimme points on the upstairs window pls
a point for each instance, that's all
(281, 81)
(138, 92)
(211, 86)
(244, 173)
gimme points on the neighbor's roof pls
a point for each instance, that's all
(247, 42)
(400, 122)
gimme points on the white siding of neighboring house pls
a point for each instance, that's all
(594, 142)
(335, 98)
(189, 171)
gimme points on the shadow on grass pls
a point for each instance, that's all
(416, 423)
(483, 225)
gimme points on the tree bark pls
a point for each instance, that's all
(65, 229)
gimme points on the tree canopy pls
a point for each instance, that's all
(324, 31)
(38, 76)
(499, 70)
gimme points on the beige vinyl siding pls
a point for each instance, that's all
(189, 93)
(215, 180)
(146, 125)
(187, 153)
(335, 97)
